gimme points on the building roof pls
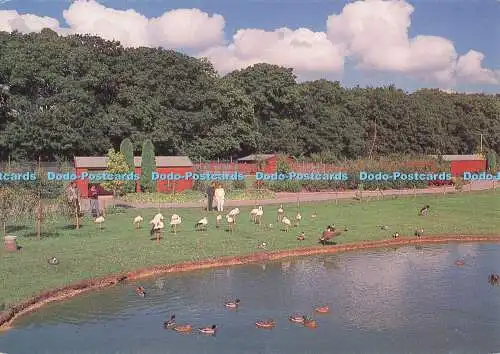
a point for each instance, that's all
(161, 161)
(460, 157)
(256, 157)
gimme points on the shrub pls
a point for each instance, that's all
(127, 149)
(239, 184)
(148, 166)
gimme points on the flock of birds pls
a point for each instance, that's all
(256, 216)
(306, 321)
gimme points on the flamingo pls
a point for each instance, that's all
(174, 221)
(137, 221)
(201, 224)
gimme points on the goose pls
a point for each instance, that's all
(395, 235)
(201, 224)
(280, 213)
(419, 232)
(424, 211)
(137, 221)
(260, 213)
(99, 220)
(301, 237)
(286, 222)
(218, 219)
(231, 222)
(174, 221)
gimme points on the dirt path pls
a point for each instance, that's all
(285, 198)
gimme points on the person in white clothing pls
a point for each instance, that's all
(219, 197)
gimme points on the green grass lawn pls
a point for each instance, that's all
(119, 247)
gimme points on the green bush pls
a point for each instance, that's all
(239, 184)
(148, 166)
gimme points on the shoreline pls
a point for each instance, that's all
(8, 316)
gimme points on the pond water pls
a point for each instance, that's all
(405, 300)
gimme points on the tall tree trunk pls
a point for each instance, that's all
(77, 218)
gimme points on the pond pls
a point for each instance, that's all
(405, 300)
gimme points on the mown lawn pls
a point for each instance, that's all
(119, 247)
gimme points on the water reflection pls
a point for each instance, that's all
(378, 299)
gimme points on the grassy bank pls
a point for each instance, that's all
(88, 252)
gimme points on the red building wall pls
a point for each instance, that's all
(83, 185)
(180, 185)
(161, 186)
(459, 167)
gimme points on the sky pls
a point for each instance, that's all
(447, 44)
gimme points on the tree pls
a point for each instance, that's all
(127, 149)
(14, 205)
(117, 165)
(492, 161)
(148, 166)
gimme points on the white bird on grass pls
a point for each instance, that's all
(201, 224)
(298, 217)
(253, 214)
(280, 213)
(218, 219)
(234, 213)
(99, 220)
(137, 221)
(260, 213)
(286, 222)
(231, 222)
(174, 221)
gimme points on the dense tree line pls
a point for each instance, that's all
(82, 95)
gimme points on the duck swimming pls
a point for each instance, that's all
(183, 328)
(493, 278)
(310, 323)
(265, 324)
(208, 330)
(322, 309)
(140, 291)
(232, 304)
(459, 262)
(170, 323)
(296, 318)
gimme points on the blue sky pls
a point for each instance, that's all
(469, 24)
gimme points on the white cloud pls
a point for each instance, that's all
(301, 49)
(11, 20)
(182, 28)
(469, 69)
(373, 32)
